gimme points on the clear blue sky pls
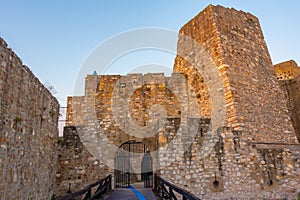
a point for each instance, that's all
(55, 37)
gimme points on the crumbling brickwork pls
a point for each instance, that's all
(28, 131)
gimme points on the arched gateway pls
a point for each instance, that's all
(133, 165)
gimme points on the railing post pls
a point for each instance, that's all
(89, 194)
(170, 193)
(155, 182)
(69, 190)
(110, 181)
(104, 186)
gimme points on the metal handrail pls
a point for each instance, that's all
(164, 190)
(104, 186)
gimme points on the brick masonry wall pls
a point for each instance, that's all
(28, 131)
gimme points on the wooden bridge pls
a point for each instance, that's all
(102, 189)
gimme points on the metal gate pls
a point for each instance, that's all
(147, 171)
(132, 164)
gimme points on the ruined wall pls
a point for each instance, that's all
(28, 131)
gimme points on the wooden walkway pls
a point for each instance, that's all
(132, 194)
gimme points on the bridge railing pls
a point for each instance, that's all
(103, 186)
(165, 190)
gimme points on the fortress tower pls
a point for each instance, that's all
(220, 126)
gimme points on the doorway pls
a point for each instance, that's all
(133, 166)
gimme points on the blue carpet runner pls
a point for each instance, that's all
(137, 193)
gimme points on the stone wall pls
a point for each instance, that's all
(28, 131)
(229, 171)
(128, 107)
(289, 80)
(256, 154)
(292, 90)
(76, 167)
(219, 127)
(235, 43)
(287, 70)
(117, 109)
(69, 113)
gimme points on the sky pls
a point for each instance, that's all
(54, 38)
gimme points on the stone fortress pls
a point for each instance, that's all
(224, 125)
